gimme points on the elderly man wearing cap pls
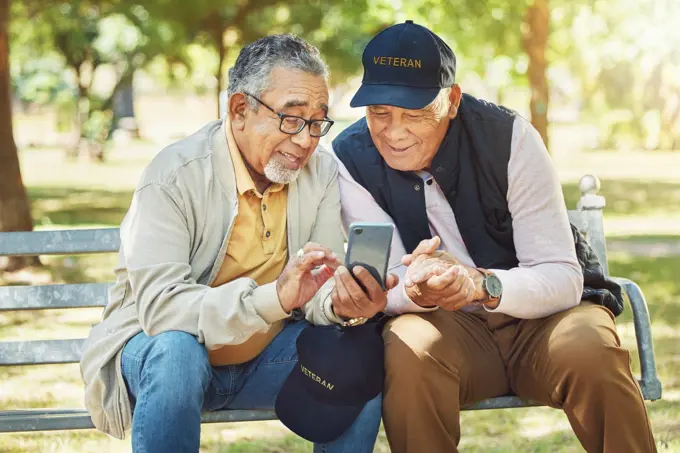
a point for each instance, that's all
(491, 291)
(230, 231)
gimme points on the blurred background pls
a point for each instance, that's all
(91, 90)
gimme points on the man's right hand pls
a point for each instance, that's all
(350, 300)
(300, 281)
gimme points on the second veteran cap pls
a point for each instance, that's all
(405, 65)
(339, 369)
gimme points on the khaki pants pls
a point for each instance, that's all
(436, 362)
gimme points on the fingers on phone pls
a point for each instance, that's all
(348, 290)
(372, 286)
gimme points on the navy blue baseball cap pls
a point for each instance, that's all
(339, 369)
(405, 65)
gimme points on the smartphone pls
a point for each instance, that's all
(369, 246)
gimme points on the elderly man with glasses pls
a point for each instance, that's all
(230, 231)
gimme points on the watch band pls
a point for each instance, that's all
(350, 322)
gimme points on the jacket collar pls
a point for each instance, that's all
(224, 167)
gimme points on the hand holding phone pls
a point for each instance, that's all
(361, 285)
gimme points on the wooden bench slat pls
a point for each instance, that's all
(64, 242)
(53, 296)
(40, 352)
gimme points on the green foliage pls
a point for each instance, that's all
(339, 28)
(482, 33)
(41, 81)
(618, 59)
(82, 36)
(176, 38)
(625, 57)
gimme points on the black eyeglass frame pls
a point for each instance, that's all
(283, 116)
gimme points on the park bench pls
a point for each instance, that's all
(587, 217)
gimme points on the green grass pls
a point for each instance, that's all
(658, 277)
(647, 239)
(65, 194)
(85, 207)
(632, 198)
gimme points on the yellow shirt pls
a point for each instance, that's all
(257, 249)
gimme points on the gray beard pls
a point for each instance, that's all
(278, 173)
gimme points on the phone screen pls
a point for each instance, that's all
(369, 246)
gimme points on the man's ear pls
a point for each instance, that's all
(238, 108)
(454, 100)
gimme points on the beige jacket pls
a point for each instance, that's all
(173, 242)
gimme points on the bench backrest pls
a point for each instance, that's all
(587, 218)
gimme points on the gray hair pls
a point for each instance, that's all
(441, 104)
(257, 60)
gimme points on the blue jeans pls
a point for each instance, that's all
(170, 382)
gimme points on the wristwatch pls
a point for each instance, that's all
(354, 322)
(492, 286)
(350, 322)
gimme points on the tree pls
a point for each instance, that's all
(339, 28)
(535, 42)
(628, 71)
(485, 31)
(623, 53)
(216, 24)
(93, 34)
(15, 212)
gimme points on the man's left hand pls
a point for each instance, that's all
(451, 290)
(436, 278)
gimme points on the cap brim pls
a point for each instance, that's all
(307, 417)
(396, 95)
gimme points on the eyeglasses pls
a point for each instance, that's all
(291, 124)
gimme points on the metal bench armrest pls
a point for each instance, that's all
(651, 386)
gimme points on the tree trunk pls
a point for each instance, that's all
(222, 52)
(124, 107)
(15, 212)
(123, 98)
(535, 40)
(81, 115)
